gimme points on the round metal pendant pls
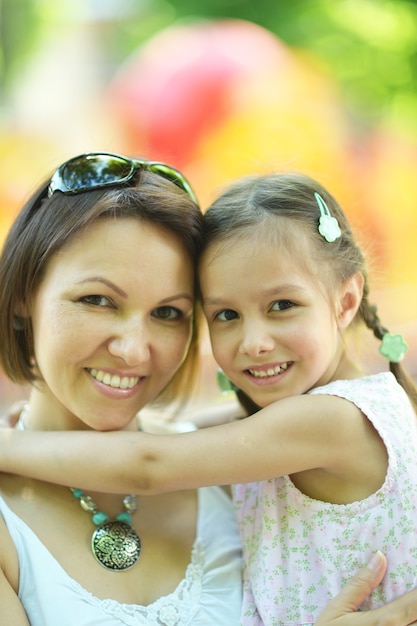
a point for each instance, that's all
(116, 545)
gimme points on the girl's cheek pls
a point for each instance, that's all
(221, 354)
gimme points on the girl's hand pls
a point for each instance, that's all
(341, 611)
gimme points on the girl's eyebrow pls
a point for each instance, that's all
(100, 279)
(273, 292)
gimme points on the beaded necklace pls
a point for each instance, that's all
(114, 543)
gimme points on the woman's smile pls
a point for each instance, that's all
(114, 380)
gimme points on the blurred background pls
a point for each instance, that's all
(232, 87)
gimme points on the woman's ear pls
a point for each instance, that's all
(18, 322)
(350, 298)
(20, 317)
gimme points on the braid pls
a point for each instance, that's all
(369, 314)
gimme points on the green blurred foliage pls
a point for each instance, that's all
(18, 25)
(369, 45)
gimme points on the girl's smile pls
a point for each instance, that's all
(268, 373)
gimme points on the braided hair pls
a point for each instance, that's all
(368, 312)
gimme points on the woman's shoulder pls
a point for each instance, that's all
(9, 562)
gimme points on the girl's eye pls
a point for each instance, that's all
(167, 313)
(96, 300)
(226, 315)
(282, 305)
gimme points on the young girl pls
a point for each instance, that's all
(324, 471)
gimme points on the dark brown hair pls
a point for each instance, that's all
(253, 204)
(45, 225)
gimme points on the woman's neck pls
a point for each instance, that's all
(44, 411)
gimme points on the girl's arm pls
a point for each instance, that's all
(341, 611)
(293, 435)
(215, 414)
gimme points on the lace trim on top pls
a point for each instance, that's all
(176, 609)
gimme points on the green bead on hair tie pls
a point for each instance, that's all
(393, 347)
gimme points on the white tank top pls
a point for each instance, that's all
(210, 593)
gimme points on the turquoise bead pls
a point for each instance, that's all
(99, 518)
(77, 493)
(124, 517)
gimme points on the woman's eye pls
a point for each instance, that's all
(227, 315)
(95, 300)
(167, 313)
(282, 305)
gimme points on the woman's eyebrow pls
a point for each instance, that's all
(123, 294)
(100, 279)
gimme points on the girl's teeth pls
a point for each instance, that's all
(126, 382)
(272, 371)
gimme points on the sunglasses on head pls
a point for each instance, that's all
(103, 169)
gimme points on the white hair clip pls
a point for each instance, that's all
(328, 225)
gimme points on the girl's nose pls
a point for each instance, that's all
(256, 341)
(131, 343)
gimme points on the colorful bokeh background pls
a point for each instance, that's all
(324, 87)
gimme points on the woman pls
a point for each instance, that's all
(98, 281)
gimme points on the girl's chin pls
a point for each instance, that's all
(265, 396)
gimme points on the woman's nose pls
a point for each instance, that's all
(131, 343)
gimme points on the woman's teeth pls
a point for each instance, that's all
(124, 382)
(272, 371)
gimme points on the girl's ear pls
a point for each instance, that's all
(350, 298)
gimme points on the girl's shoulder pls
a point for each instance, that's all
(379, 397)
(373, 383)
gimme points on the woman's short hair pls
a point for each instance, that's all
(47, 224)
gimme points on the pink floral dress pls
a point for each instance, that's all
(299, 552)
